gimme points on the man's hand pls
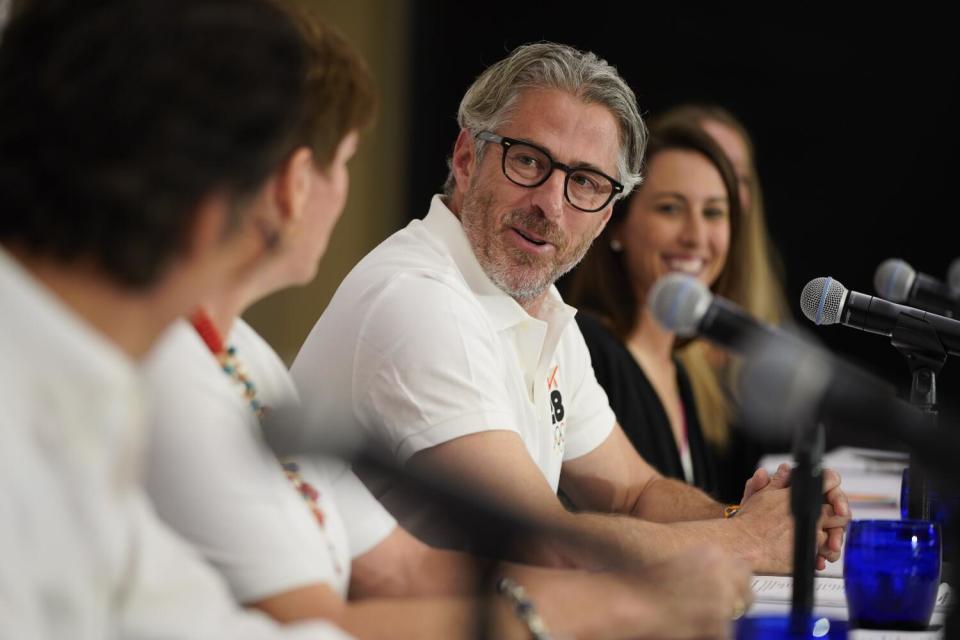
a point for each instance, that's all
(833, 520)
(835, 513)
(761, 480)
(765, 527)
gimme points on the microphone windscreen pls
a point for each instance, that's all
(893, 279)
(289, 431)
(781, 385)
(679, 302)
(822, 300)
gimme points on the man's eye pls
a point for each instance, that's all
(585, 181)
(527, 160)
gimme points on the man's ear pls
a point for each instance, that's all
(292, 186)
(464, 161)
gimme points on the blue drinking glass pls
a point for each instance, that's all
(770, 627)
(891, 573)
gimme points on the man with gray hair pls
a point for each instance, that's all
(450, 348)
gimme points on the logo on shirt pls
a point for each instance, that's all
(556, 409)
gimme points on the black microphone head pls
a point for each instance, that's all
(953, 276)
(822, 300)
(679, 302)
(893, 279)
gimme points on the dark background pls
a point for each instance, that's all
(853, 117)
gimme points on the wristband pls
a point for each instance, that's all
(523, 607)
(731, 510)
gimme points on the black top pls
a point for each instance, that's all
(640, 412)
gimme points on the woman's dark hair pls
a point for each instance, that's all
(117, 117)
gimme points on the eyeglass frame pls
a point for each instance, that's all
(505, 143)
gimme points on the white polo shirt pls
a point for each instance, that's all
(82, 554)
(215, 482)
(419, 347)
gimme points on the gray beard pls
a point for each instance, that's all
(507, 271)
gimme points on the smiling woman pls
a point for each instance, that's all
(685, 217)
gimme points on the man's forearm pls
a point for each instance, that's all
(762, 535)
(609, 539)
(668, 500)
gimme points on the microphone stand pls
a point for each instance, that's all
(806, 490)
(919, 343)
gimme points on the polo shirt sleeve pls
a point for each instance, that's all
(428, 366)
(590, 418)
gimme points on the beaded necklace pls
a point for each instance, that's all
(230, 365)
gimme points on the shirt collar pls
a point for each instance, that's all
(503, 310)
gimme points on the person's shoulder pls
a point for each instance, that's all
(429, 311)
(268, 371)
(410, 249)
(410, 267)
(178, 347)
(180, 365)
(251, 345)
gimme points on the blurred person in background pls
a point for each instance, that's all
(703, 445)
(685, 217)
(759, 291)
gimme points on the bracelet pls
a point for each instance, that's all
(731, 510)
(523, 607)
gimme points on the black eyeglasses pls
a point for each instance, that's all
(528, 165)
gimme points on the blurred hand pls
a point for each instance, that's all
(696, 594)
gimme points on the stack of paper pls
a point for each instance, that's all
(772, 594)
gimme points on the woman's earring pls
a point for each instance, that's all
(615, 246)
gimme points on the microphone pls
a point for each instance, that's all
(897, 281)
(785, 386)
(682, 304)
(288, 430)
(826, 301)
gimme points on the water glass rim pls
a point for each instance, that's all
(894, 524)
